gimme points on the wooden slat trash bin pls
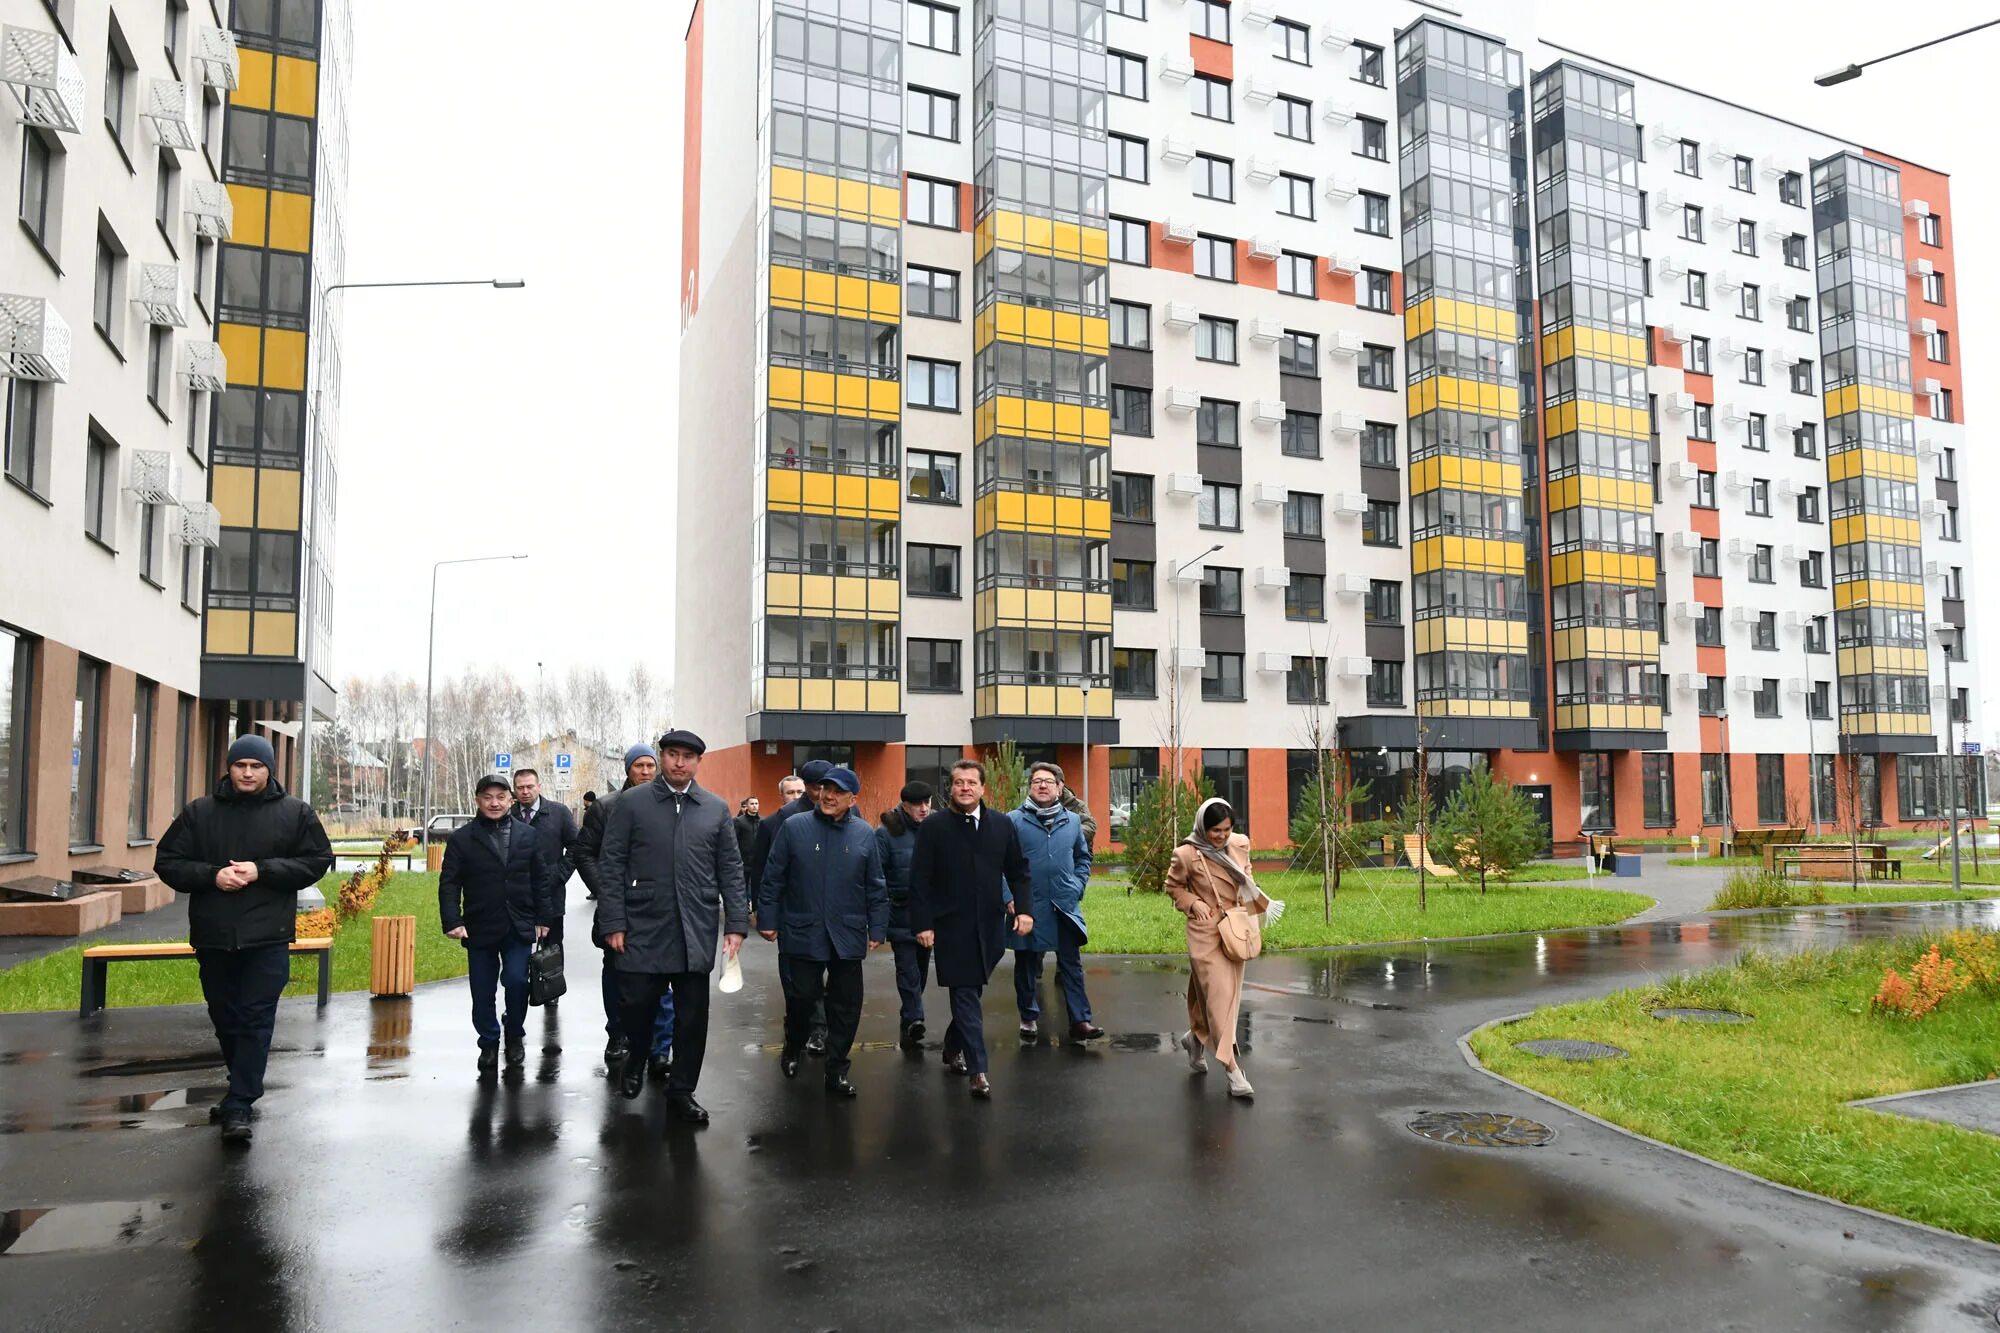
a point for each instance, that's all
(392, 967)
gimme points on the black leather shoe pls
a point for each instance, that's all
(981, 1088)
(236, 1127)
(1030, 1029)
(1085, 1032)
(615, 1051)
(659, 1067)
(954, 1062)
(840, 1087)
(683, 1106)
(517, 1055)
(489, 1059)
(816, 1044)
(632, 1081)
(788, 1064)
(913, 1034)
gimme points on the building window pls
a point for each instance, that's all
(149, 544)
(1385, 684)
(1292, 118)
(1215, 340)
(191, 557)
(1746, 237)
(1378, 524)
(1385, 602)
(1764, 636)
(1368, 64)
(1739, 174)
(1298, 354)
(17, 670)
(1133, 768)
(1132, 584)
(1714, 696)
(1947, 464)
(1656, 783)
(1802, 377)
(39, 206)
(1948, 524)
(1299, 436)
(118, 78)
(931, 203)
(1291, 41)
(1222, 677)
(1819, 704)
(933, 570)
(1753, 370)
(1708, 559)
(933, 477)
(1215, 257)
(1760, 497)
(1303, 515)
(932, 384)
(1765, 701)
(1222, 590)
(183, 740)
(1708, 627)
(1715, 789)
(1210, 19)
(159, 365)
(1809, 511)
(1795, 251)
(1746, 303)
(1791, 189)
(1295, 196)
(1125, 75)
(1132, 497)
(139, 801)
(1805, 441)
(1689, 158)
(1798, 314)
(1131, 410)
(1135, 673)
(1216, 422)
(1941, 405)
(110, 271)
(1131, 325)
(1305, 597)
(1937, 346)
(1214, 178)
(1375, 290)
(1377, 368)
(1305, 683)
(1770, 789)
(1760, 565)
(1130, 241)
(1218, 506)
(1704, 490)
(1704, 422)
(28, 433)
(1691, 223)
(1756, 436)
(1596, 802)
(1696, 293)
(1296, 276)
(1229, 771)
(934, 666)
(1128, 158)
(1934, 287)
(1374, 138)
(933, 292)
(1930, 229)
(1697, 356)
(84, 743)
(1209, 97)
(100, 490)
(1374, 214)
(933, 26)
(1378, 444)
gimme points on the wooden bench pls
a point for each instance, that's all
(97, 961)
(1832, 860)
(1420, 855)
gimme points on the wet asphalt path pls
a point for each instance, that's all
(1100, 1187)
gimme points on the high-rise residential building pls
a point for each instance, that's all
(138, 494)
(1206, 382)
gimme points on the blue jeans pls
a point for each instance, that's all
(1069, 974)
(913, 965)
(242, 987)
(504, 965)
(614, 1027)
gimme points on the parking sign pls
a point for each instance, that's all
(562, 761)
(503, 763)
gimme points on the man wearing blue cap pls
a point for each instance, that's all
(824, 901)
(803, 801)
(242, 855)
(642, 765)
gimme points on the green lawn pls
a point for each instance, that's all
(1373, 906)
(1769, 1096)
(54, 982)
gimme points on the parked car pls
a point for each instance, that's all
(441, 827)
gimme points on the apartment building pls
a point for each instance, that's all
(1179, 381)
(122, 350)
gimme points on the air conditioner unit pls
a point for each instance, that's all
(216, 58)
(1349, 503)
(201, 524)
(206, 368)
(1729, 349)
(44, 76)
(1933, 569)
(1791, 553)
(1336, 112)
(1270, 494)
(1348, 264)
(1926, 447)
(161, 296)
(1268, 411)
(1264, 329)
(1176, 67)
(1262, 170)
(1778, 300)
(1184, 483)
(1347, 423)
(1686, 612)
(1934, 508)
(1784, 423)
(1926, 327)
(1669, 201)
(1916, 208)
(1929, 384)
(211, 210)
(1176, 150)
(1665, 134)
(171, 109)
(1786, 357)
(1263, 247)
(1178, 231)
(1353, 667)
(1678, 333)
(1777, 235)
(1342, 188)
(34, 341)
(1770, 168)
(1672, 270)
(1744, 684)
(1742, 615)
(1180, 315)
(1335, 39)
(1350, 585)
(1677, 404)
(1682, 471)
(1259, 14)
(1735, 413)
(1274, 664)
(1721, 153)
(1690, 683)
(1795, 687)
(152, 480)
(1190, 658)
(1739, 549)
(1259, 91)
(1736, 480)
(1274, 576)
(1793, 620)
(1922, 267)
(1182, 400)
(1722, 220)
(1344, 344)
(1685, 542)
(1786, 488)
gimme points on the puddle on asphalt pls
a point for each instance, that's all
(136, 1110)
(81, 1226)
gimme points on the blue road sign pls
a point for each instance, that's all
(562, 761)
(503, 762)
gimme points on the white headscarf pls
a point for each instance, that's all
(1247, 892)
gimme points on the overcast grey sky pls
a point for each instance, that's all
(479, 422)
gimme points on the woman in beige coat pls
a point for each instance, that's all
(1211, 874)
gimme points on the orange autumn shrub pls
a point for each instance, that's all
(1977, 953)
(1933, 979)
(316, 925)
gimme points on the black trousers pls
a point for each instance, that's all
(913, 972)
(838, 984)
(967, 1033)
(785, 965)
(242, 987)
(639, 998)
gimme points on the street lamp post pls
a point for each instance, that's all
(430, 666)
(312, 506)
(1849, 72)
(1944, 633)
(1174, 718)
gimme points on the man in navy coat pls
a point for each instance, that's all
(495, 898)
(823, 899)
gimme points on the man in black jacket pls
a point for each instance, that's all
(748, 817)
(969, 887)
(242, 855)
(642, 765)
(800, 793)
(494, 897)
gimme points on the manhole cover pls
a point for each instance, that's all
(1482, 1129)
(1573, 1050)
(1701, 1015)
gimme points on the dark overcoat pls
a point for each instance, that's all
(897, 841)
(494, 900)
(767, 832)
(961, 881)
(670, 877)
(823, 890)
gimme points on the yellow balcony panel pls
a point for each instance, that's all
(253, 79)
(816, 696)
(233, 492)
(1560, 419)
(782, 593)
(1041, 701)
(284, 359)
(788, 187)
(278, 499)
(248, 204)
(274, 634)
(1097, 611)
(228, 632)
(850, 696)
(1888, 402)
(1010, 701)
(781, 694)
(885, 696)
(291, 221)
(885, 205)
(816, 593)
(295, 88)
(243, 345)
(1041, 606)
(885, 599)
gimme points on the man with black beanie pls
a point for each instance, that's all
(242, 855)
(811, 773)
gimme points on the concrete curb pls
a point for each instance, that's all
(1464, 1043)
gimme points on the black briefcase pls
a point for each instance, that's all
(545, 973)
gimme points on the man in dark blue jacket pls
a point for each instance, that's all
(494, 897)
(804, 798)
(823, 899)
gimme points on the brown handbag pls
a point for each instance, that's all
(1241, 933)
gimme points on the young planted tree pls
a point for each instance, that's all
(1006, 776)
(1162, 815)
(1324, 831)
(1486, 825)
